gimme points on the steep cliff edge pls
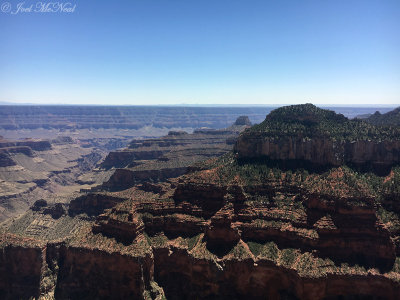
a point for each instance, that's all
(21, 263)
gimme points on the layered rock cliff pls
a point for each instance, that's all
(10, 148)
(317, 137)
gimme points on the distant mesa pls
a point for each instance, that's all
(242, 120)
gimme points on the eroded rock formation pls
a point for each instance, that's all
(170, 156)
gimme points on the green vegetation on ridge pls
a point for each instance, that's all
(309, 121)
(391, 118)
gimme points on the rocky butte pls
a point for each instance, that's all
(294, 212)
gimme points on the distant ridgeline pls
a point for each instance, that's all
(124, 117)
(305, 135)
(134, 117)
(389, 118)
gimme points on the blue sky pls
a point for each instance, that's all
(203, 52)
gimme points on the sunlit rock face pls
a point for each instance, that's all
(320, 137)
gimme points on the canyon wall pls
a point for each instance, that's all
(320, 151)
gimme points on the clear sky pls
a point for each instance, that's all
(338, 52)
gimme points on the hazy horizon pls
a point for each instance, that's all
(5, 103)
